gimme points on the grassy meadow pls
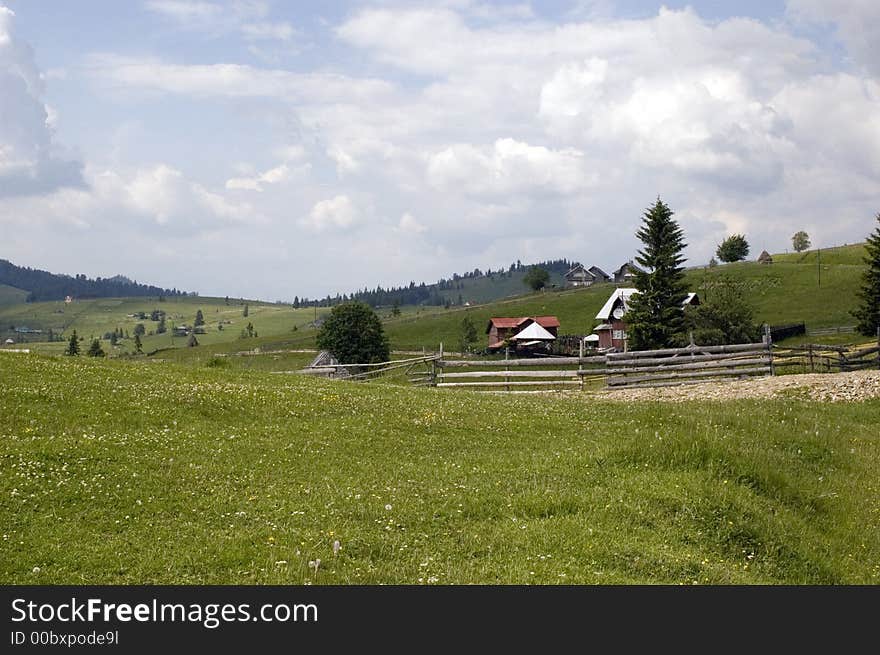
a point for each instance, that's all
(131, 472)
(796, 287)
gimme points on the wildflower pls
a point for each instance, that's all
(388, 507)
(36, 569)
(336, 547)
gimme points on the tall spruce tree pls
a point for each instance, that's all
(868, 312)
(655, 318)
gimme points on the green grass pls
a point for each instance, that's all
(792, 289)
(93, 318)
(787, 291)
(11, 295)
(132, 472)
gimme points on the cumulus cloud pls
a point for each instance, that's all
(856, 23)
(508, 167)
(335, 214)
(29, 161)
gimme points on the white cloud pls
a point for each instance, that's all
(857, 24)
(29, 160)
(272, 176)
(246, 17)
(337, 213)
(409, 225)
(509, 167)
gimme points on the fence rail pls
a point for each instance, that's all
(691, 364)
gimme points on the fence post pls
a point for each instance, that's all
(580, 362)
(812, 368)
(768, 342)
(506, 366)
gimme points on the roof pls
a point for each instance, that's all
(629, 265)
(598, 272)
(591, 337)
(533, 332)
(764, 256)
(624, 294)
(577, 269)
(508, 322)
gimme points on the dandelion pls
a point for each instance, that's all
(388, 507)
(36, 569)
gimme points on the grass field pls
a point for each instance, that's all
(130, 472)
(789, 290)
(794, 288)
(11, 295)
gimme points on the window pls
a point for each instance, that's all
(618, 334)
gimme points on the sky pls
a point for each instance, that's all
(269, 150)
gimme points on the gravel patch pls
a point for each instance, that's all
(823, 387)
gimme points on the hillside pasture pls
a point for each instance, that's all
(121, 472)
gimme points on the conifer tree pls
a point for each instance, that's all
(655, 318)
(138, 346)
(868, 312)
(95, 349)
(200, 319)
(73, 345)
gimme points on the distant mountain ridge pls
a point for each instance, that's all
(43, 285)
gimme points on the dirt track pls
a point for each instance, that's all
(823, 387)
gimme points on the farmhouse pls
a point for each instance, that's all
(627, 272)
(524, 333)
(612, 330)
(579, 276)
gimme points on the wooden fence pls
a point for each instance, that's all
(821, 358)
(665, 367)
(689, 365)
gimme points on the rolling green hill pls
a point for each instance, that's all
(11, 296)
(792, 289)
(796, 287)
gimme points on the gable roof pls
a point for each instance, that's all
(579, 268)
(598, 272)
(532, 332)
(624, 294)
(630, 265)
(508, 322)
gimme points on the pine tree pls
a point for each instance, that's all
(868, 312)
(192, 342)
(245, 312)
(73, 345)
(138, 346)
(95, 349)
(200, 319)
(655, 318)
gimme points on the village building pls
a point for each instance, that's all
(523, 333)
(580, 276)
(612, 331)
(765, 258)
(626, 273)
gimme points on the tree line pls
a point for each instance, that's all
(42, 285)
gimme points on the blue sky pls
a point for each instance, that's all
(272, 149)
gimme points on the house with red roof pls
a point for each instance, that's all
(522, 333)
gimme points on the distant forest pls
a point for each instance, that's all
(429, 294)
(42, 285)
